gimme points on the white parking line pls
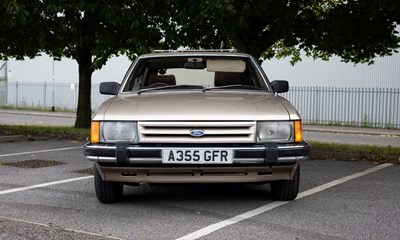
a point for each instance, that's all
(216, 226)
(43, 185)
(40, 151)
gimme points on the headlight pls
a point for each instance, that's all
(118, 131)
(275, 131)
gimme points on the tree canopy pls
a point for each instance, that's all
(92, 31)
(355, 30)
(87, 31)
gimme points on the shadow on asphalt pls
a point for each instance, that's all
(197, 192)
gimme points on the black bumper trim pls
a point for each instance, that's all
(269, 152)
(122, 153)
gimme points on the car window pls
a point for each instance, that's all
(198, 72)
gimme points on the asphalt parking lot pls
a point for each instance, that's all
(338, 200)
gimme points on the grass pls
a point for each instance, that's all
(5, 163)
(365, 149)
(55, 162)
(357, 152)
(35, 108)
(64, 132)
(342, 124)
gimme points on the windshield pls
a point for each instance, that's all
(204, 73)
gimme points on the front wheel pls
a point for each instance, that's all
(286, 190)
(106, 191)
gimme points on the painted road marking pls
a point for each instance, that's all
(40, 151)
(43, 185)
(219, 225)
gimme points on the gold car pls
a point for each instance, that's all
(196, 117)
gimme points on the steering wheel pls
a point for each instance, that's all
(158, 84)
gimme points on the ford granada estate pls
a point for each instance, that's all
(196, 117)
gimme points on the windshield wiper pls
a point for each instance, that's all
(234, 86)
(169, 87)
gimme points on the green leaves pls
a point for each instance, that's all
(92, 31)
(87, 31)
(357, 31)
(65, 28)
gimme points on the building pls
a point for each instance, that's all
(385, 72)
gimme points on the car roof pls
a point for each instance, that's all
(195, 54)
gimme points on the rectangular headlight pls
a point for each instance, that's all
(275, 131)
(118, 132)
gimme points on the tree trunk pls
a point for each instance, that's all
(238, 42)
(84, 111)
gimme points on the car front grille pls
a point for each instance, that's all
(180, 132)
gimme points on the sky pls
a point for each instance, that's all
(385, 72)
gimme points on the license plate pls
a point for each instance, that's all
(197, 156)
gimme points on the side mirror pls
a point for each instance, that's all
(280, 86)
(109, 88)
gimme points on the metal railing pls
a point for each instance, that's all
(367, 107)
(40, 95)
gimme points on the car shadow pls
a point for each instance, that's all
(198, 192)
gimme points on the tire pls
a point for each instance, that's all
(106, 191)
(286, 190)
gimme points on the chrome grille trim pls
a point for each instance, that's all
(179, 132)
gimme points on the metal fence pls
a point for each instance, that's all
(62, 96)
(367, 107)
(372, 107)
(3, 91)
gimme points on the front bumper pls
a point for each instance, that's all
(137, 164)
(136, 154)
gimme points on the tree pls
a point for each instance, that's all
(87, 31)
(92, 31)
(19, 37)
(355, 30)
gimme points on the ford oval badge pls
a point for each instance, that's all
(197, 133)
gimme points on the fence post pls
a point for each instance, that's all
(318, 105)
(75, 102)
(16, 94)
(376, 107)
(44, 94)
